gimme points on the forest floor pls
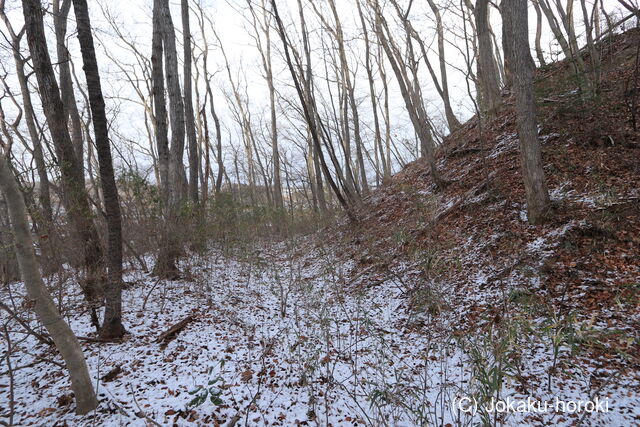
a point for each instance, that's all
(292, 334)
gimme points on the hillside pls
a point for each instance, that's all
(477, 267)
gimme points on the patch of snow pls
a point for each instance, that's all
(504, 143)
(300, 344)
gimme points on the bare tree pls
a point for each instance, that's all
(60, 18)
(488, 73)
(350, 96)
(538, 45)
(410, 90)
(441, 84)
(188, 105)
(309, 113)
(567, 39)
(75, 198)
(238, 107)
(29, 115)
(314, 151)
(262, 26)
(112, 324)
(628, 4)
(163, 42)
(516, 48)
(207, 79)
(379, 149)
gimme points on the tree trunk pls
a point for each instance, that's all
(164, 41)
(60, 17)
(112, 324)
(66, 343)
(275, 151)
(309, 113)
(75, 198)
(263, 25)
(176, 109)
(488, 73)
(350, 95)
(44, 193)
(216, 122)
(514, 18)
(568, 44)
(372, 92)
(188, 105)
(159, 104)
(38, 155)
(539, 52)
(386, 114)
(214, 115)
(452, 120)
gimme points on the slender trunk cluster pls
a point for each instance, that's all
(410, 90)
(75, 198)
(194, 165)
(343, 195)
(46, 217)
(170, 157)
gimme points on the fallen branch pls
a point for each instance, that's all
(171, 333)
(112, 374)
(461, 200)
(100, 340)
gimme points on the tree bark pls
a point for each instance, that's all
(45, 216)
(60, 17)
(176, 109)
(188, 105)
(159, 103)
(175, 177)
(488, 73)
(514, 18)
(538, 46)
(112, 324)
(38, 154)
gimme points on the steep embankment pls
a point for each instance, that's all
(478, 266)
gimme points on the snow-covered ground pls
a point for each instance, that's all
(282, 336)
